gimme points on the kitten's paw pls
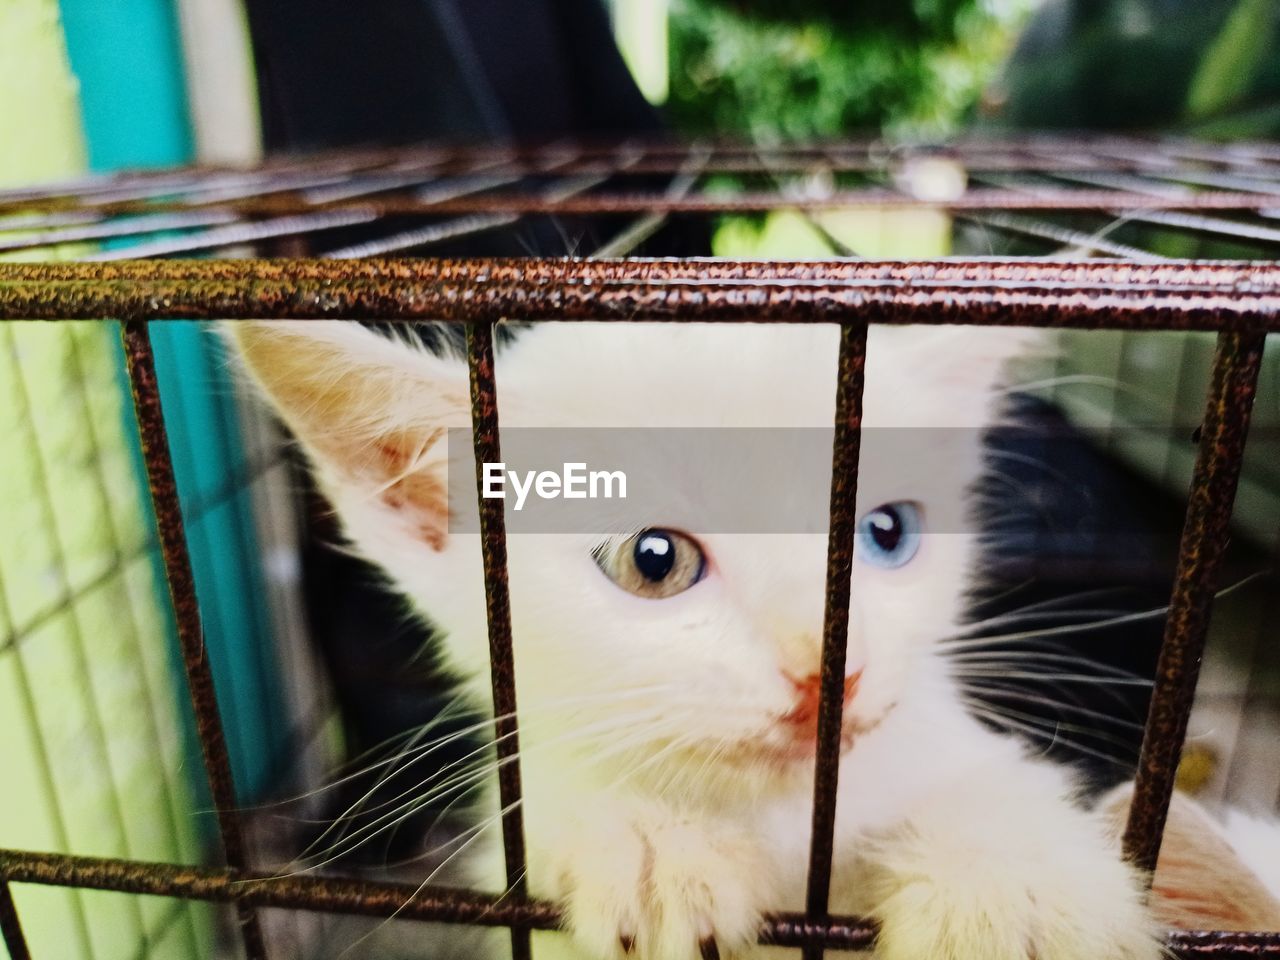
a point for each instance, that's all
(671, 891)
(1057, 914)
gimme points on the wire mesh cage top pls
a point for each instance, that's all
(1118, 234)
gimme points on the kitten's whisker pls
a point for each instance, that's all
(1064, 629)
(1047, 615)
(1016, 657)
(1015, 692)
(430, 780)
(1082, 379)
(1057, 681)
(1015, 487)
(445, 812)
(1010, 724)
(717, 750)
(400, 763)
(424, 750)
(621, 745)
(399, 737)
(453, 841)
(1062, 677)
(463, 782)
(1068, 629)
(433, 874)
(1009, 591)
(676, 744)
(1059, 724)
(1052, 602)
(350, 842)
(1029, 461)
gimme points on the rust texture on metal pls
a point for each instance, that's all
(1175, 295)
(297, 891)
(408, 901)
(846, 446)
(493, 540)
(10, 926)
(186, 609)
(814, 935)
(1065, 199)
(1205, 534)
(1222, 943)
(1134, 156)
(1082, 151)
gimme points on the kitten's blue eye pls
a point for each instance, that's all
(889, 535)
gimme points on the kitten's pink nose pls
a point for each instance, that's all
(804, 714)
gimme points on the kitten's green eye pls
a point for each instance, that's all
(655, 563)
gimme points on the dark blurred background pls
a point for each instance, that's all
(763, 69)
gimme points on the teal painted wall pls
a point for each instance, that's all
(127, 56)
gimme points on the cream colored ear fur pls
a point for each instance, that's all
(369, 411)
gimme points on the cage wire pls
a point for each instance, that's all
(1099, 238)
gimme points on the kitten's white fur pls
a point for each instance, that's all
(658, 805)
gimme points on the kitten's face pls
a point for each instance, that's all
(661, 638)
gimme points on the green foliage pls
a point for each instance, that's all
(1232, 62)
(1199, 67)
(922, 20)
(794, 69)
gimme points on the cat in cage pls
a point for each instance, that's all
(667, 672)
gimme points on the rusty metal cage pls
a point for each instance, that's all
(1020, 187)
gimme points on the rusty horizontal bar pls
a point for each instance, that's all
(1223, 944)
(96, 193)
(493, 542)
(186, 610)
(102, 229)
(802, 163)
(295, 891)
(1108, 149)
(1173, 295)
(447, 905)
(1205, 534)
(981, 199)
(1217, 274)
(846, 446)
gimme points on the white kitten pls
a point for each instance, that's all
(666, 681)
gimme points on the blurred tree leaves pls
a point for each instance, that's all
(907, 21)
(1231, 63)
(1201, 67)
(798, 69)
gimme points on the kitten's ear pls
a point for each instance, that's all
(1201, 882)
(372, 412)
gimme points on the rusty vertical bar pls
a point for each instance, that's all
(835, 628)
(10, 926)
(1204, 537)
(186, 609)
(493, 540)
